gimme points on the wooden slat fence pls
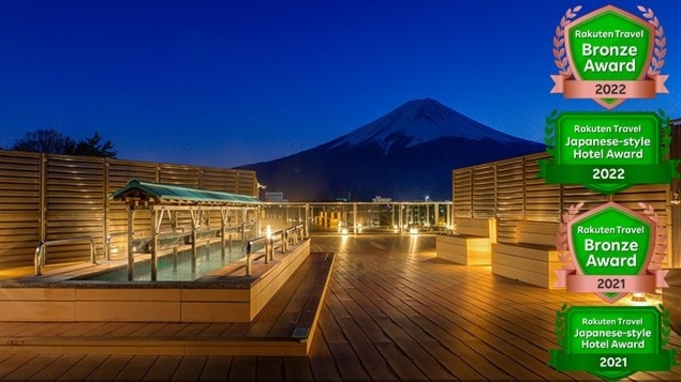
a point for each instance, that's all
(48, 197)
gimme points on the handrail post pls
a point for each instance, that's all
(38, 258)
(268, 247)
(93, 258)
(249, 247)
(107, 243)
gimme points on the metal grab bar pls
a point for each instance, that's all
(249, 250)
(40, 256)
(107, 244)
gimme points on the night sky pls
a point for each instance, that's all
(227, 83)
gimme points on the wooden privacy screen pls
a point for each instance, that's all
(510, 191)
(49, 197)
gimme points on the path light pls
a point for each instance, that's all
(344, 231)
(413, 231)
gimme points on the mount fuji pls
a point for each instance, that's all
(407, 154)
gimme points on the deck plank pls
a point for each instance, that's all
(243, 369)
(163, 368)
(371, 358)
(57, 367)
(270, 368)
(137, 368)
(30, 368)
(214, 330)
(322, 363)
(83, 368)
(190, 367)
(9, 364)
(110, 368)
(216, 368)
(297, 369)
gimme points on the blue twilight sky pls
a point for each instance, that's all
(226, 83)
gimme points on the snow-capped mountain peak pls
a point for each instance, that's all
(419, 121)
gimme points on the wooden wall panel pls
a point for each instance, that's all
(462, 196)
(19, 207)
(483, 199)
(75, 199)
(510, 198)
(542, 201)
(49, 197)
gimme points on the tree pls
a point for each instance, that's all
(54, 142)
(94, 147)
(44, 141)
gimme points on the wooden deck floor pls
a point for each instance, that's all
(392, 311)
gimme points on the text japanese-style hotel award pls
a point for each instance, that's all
(610, 55)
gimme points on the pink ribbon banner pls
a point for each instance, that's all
(573, 282)
(572, 88)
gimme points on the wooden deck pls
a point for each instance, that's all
(284, 326)
(392, 311)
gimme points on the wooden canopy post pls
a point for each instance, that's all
(131, 247)
(194, 224)
(175, 225)
(155, 225)
(223, 231)
(243, 226)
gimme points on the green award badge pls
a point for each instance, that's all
(613, 251)
(609, 55)
(608, 151)
(612, 342)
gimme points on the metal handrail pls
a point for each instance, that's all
(249, 251)
(107, 244)
(40, 255)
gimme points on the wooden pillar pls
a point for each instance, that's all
(243, 226)
(131, 248)
(223, 231)
(195, 223)
(174, 223)
(155, 224)
(307, 219)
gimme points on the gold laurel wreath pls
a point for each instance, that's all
(559, 42)
(562, 239)
(660, 41)
(660, 250)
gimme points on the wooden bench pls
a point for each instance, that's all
(533, 259)
(471, 243)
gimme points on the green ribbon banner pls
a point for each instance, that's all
(662, 361)
(630, 174)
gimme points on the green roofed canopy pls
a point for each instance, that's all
(161, 193)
